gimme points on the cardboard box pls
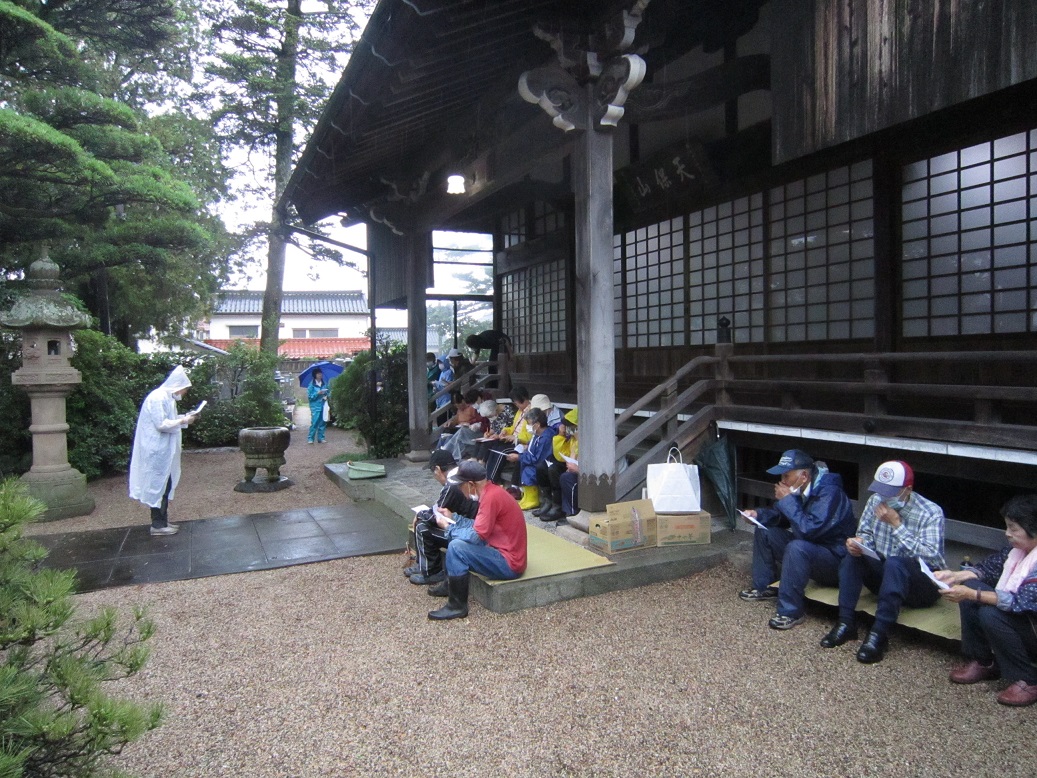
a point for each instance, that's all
(674, 529)
(625, 527)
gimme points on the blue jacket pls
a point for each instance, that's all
(316, 394)
(538, 450)
(825, 517)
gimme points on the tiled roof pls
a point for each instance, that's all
(303, 348)
(235, 301)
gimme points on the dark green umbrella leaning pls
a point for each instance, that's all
(717, 461)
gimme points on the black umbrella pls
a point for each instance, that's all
(717, 461)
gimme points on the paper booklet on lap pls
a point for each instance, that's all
(867, 551)
(929, 573)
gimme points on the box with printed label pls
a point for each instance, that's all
(624, 527)
(674, 529)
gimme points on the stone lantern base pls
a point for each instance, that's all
(64, 493)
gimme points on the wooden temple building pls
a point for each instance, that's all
(800, 223)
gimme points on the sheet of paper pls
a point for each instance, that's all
(752, 519)
(442, 515)
(419, 508)
(865, 550)
(928, 571)
(198, 410)
(483, 440)
(570, 460)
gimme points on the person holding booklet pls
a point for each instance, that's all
(804, 535)
(155, 461)
(997, 600)
(553, 468)
(899, 539)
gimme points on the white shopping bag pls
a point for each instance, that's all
(672, 486)
(325, 412)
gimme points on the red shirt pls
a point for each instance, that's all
(501, 523)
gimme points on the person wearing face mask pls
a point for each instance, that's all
(155, 462)
(493, 544)
(429, 539)
(997, 600)
(805, 532)
(901, 527)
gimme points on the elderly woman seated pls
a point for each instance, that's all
(997, 600)
(463, 442)
(465, 416)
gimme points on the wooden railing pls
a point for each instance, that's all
(476, 378)
(680, 416)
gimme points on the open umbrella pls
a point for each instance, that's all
(329, 369)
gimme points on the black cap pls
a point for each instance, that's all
(793, 459)
(470, 470)
(441, 458)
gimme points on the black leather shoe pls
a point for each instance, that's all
(873, 649)
(839, 634)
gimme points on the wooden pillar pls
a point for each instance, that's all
(595, 335)
(418, 252)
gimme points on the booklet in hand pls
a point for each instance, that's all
(198, 410)
(929, 574)
(865, 550)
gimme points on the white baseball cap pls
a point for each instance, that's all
(891, 478)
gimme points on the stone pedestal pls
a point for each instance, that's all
(46, 322)
(264, 449)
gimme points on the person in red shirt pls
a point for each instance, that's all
(493, 544)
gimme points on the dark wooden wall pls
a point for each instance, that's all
(842, 69)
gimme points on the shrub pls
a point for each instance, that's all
(15, 440)
(371, 397)
(56, 717)
(254, 401)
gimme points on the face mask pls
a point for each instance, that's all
(896, 504)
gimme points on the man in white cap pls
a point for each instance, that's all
(898, 527)
(553, 414)
(155, 463)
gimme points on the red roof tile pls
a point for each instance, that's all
(303, 348)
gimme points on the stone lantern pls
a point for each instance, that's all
(46, 322)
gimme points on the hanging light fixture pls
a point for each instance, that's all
(455, 184)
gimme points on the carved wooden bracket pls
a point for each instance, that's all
(599, 59)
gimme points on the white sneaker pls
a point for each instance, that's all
(169, 529)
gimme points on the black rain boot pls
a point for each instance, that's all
(545, 503)
(457, 600)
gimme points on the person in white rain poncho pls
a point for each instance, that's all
(155, 464)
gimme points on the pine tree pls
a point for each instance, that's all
(56, 716)
(273, 62)
(123, 198)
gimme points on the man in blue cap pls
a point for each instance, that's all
(804, 535)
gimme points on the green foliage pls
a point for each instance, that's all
(15, 440)
(57, 717)
(371, 397)
(83, 167)
(249, 374)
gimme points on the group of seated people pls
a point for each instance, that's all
(540, 445)
(896, 549)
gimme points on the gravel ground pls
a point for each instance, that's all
(332, 669)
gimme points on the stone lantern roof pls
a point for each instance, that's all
(44, 307)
